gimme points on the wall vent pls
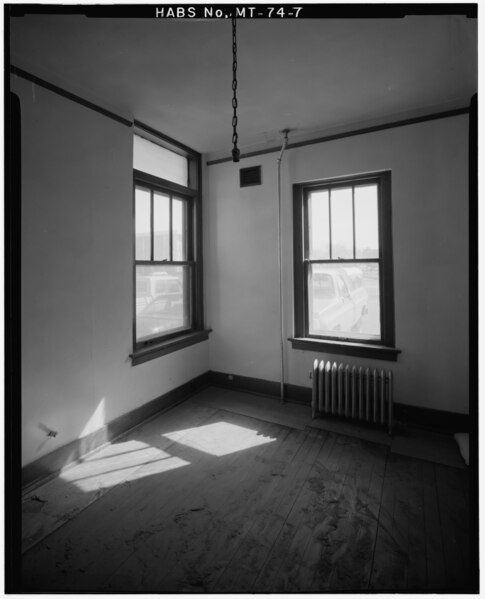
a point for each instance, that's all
(250, 176)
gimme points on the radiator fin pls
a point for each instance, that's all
(349, 392)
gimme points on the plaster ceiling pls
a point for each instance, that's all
(311, 75)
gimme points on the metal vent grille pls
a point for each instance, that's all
(250, 176)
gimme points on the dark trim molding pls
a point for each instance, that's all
(167, 139)
(69, 95)
(51, 464)
(429, 419)
(363, 131)
(163, 184)
(75, 98)
(405, 415)
(294, 393)
(168, 346)
(363, 350)
(382, 349)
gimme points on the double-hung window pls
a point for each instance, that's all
(167, 278)
(343, 266)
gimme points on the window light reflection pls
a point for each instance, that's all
(219, 438)
(120, 462)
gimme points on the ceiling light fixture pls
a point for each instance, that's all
(235, 150)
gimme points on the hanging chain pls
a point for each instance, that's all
(235, 150)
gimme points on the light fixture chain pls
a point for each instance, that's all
(235, 151)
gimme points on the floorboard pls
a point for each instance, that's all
(205, 498)
(214, 530)
(241, 573)
(357, 529)
(47, 508)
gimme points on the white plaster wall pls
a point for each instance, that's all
(77, 252)
(429, 164)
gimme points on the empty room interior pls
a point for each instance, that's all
(239, 292)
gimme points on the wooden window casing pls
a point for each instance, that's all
(383, 348)
(172, 340)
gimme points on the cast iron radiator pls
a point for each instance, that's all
(352, 392)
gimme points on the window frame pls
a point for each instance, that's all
(383, 348)
(176, 339)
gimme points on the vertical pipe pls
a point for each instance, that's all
(280, 265)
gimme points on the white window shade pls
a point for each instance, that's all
(153, 159)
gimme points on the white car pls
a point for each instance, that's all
(339, 300)
(157, 285)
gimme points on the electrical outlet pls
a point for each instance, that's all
(52, 434)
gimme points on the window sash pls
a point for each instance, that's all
(188, 197)
(184, 300)
(329, 189)
(187, 250)
(346, 335)
(303, 258)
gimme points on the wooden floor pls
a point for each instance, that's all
(203, 499)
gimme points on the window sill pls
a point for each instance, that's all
(364, 350)
(167, 347)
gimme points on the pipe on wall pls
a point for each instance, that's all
(280, 266)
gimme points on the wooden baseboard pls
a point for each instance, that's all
(50, 464)
(293, 393)
(405, 415)
(429, 419)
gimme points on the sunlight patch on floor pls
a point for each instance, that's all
(131, 460)
(219, 438)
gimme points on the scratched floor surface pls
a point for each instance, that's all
(202, 499)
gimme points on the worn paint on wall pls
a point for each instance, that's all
(77, 252)
(429, 164)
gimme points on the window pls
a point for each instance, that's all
(343, 266)
(167, 273)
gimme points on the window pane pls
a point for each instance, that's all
(342, 228)
(161, 226)
(155, 160)
(179, 236)
(162, 300)
(318, 228)
(142, 224)
(344, 301)
(366, 222)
